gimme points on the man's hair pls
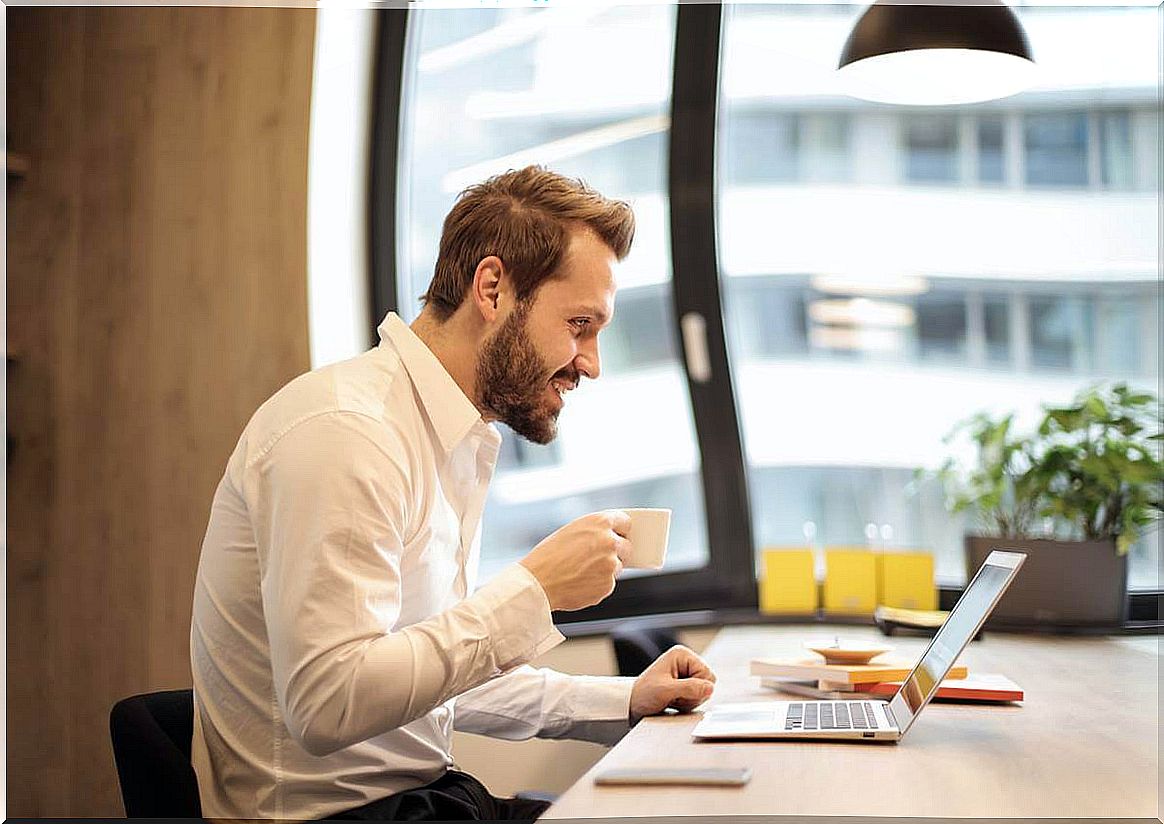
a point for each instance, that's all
(525, 218)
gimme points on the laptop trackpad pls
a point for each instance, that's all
(757, 718)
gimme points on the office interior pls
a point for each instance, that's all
(204, 202)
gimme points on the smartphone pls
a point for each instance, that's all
(695, 776)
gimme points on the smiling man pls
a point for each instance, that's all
(339, 635)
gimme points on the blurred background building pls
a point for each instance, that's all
(886, 271)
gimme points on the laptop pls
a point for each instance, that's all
(874, 720)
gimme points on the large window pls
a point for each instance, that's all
(491, 89)
(972, 259)
(851, 279)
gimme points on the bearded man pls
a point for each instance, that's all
(339, 635)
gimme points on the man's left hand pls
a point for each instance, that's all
(678, 678)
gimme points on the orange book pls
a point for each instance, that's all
(840, 675)
(977, 687)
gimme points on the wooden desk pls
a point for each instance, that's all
(1084, 743)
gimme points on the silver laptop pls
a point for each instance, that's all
(874, 720)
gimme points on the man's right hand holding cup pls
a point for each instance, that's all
(578, 564)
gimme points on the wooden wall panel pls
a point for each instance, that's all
(156, 295)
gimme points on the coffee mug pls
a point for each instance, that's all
(648, 538)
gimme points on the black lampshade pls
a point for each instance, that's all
(937, 53)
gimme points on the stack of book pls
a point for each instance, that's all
(817, 679)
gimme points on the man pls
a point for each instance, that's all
(338, 638)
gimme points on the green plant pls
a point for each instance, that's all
(1098, 470)
(998, 488)
(1092, 467)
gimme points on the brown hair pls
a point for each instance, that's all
(524, 217)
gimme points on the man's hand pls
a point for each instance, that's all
(577, 565)
(678, 678)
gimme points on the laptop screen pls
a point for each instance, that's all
(961, 625)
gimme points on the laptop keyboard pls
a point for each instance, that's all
(831, 715)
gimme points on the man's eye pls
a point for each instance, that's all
(579, 323)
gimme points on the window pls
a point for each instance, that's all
(493, 89)
(1056, 149)
(931, 145)
(1120, 335)
(864, 321)
(1115, 141)
(852, 506)
(941, 325)
(991, 159)
(996, 329)
(766, 147)
(768, 317)
(1058, 330)
(872, 275)
(826, 147)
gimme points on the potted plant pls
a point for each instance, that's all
(1074, 495)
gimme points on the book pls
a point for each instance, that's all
(809, 689)
(978, 687)
(918, 621)
(840, 674)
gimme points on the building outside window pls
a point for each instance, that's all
(972, 261)
(506, 92)
(885, 272)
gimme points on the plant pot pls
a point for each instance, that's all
(1061, 585)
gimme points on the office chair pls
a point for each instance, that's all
(636, 647)
(151, 744)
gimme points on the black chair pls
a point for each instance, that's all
(636, 647)
(151, 744)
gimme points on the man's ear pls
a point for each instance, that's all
(489, 284)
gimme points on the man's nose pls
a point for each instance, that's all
(588, 361)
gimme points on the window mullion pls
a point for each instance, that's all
(695, 284)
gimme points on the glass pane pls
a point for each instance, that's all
(1115, 140)
(996, 322)
(1056, 149)
(1058, 332)
(1120, 335)
(991, 162)
(941, 325)
(767, 317)
(765, 148)
(855, 300)
(931, 145)
(826, 147)
(491, 89)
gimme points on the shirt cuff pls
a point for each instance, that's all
(517, 615)
(600, 708)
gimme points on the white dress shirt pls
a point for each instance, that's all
(337, 635)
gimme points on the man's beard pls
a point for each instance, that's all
(512, 379)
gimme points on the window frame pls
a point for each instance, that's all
(727, 585)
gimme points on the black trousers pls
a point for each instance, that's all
(455, 796)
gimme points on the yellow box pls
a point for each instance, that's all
(906, 580)
(850, 586)
(788, 582)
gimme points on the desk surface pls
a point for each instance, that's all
(1084, 743)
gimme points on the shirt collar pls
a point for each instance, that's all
(451, 412)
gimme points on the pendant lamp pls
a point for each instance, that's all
(937, 53)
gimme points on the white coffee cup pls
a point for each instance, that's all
(648, 538)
